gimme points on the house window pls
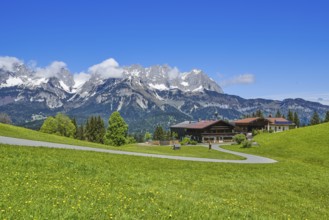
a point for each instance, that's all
(279, 127)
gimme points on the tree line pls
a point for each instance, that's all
(93, 130)
(293, 117)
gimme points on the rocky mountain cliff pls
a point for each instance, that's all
(144, 96)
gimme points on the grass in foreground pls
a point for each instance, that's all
(39, 183)
(190, 151)
(186, 151)
(52, 183)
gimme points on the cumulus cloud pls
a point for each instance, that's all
(8, 63)
(32, 64)
(52, 70)
(80, 79)
(238, 80)
(107, 69)
(173, 73)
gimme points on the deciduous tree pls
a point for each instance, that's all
(4, 118)
(147, 136)
(49, 126)
(60, 125)
(116, 133)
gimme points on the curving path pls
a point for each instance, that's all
(250, 159)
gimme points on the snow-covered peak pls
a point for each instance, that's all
(165, 77)
(158, 77)
(15, 73)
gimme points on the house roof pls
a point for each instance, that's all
(245, 120)
(274, 121)
(183, 124)
(279, 121)
(197, 125)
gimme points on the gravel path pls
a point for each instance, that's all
(250, 159)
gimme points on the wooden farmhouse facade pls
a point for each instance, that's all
(217, 131)
(205, 131)
(270, 124)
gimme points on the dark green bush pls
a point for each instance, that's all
(185, 141)
(246, 144)
(239, 138)
(193, 142)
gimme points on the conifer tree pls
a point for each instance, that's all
(278, 114)
(290, 116)
(74, 122)
(315, 119)
(100, 130)
(81, 133)
(88, 130)
(95, 129)
(158, 133)
(259, 114)
(326, 119)
(296, 120)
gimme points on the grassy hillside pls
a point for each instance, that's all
(190, 151)
(309, 145)
(52, 183)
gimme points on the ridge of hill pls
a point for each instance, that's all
(306, 145)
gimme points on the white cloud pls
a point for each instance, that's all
(32, 64)
(52, 70)
(7, 63)
(107, 69)
(173, 73)
(238, 80)
(80, 79)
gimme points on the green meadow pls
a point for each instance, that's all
(40, 183)
(187, 151)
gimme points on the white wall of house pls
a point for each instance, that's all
(278, 128)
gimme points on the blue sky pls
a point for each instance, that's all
(253, 48)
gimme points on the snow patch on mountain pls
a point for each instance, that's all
(184, 84)
(199, 89)
(158, 86)
(12, 81)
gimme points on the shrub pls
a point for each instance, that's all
(246, 144)
(193, 142)
(130, 140)
(255, 132)
(185, 141)
(239, 138)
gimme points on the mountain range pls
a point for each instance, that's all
(145, 97)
